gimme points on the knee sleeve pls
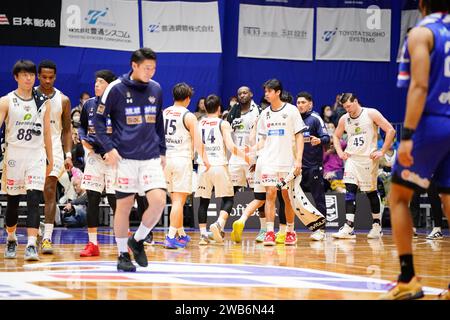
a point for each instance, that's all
(12, 216)
(93, 209)
(374, 201)
(112, 201)
(33, 215)
(260, 195)
(202, 210)
(227, 204)
(281, 214)
(350, 197)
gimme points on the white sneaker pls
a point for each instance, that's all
(345, 232)
(376, 232)
(318, 235)
(435, 234)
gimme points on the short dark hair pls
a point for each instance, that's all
(106, 75)
(181, 91)
(212, 103)
(305, 95)
(286, 96)
(347, 96)
(48, 64)
(142, 54)
(274, 84)
(432, 6)
(83, 93)
(24, 65)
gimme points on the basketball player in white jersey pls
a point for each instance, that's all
(282, 140)
(361, 160)
(216, 135)
(28, 146)
(182, 135)
(61, 130)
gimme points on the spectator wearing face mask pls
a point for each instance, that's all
(327, 115)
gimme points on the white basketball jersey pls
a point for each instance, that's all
(362, 134)
(24, 123)
(213, 140)
(241, 132)
(56, 118)
(280, 128)
(178, 137)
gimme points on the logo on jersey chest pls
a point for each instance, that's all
(129, 98)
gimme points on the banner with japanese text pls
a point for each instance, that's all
(103, 24)
(180, 26)
(353, 30)
(22, 22)
(276, 31)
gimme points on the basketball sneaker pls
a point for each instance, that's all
(124, 263)
(291, 238)
(376, 232)
(46, 246)
(318, 235)
(204, 240)
(137, 247)
(404, 291)
(148, 241)
(236, 234)
(11, 249)
(269, 239)
(41, 231)
(261, 235)
(415, 235)
(91, 250)
(184, 240)
(445, 295)
(31, 253)
(171, 243)
(217, 232)
(345, 232)
(280, 238)
(435, 234)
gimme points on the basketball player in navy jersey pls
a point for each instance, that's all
(424, 150)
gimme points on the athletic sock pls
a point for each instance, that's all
(350, 219)
(270, 226)
(263, 223)
(31, 241)
(243, 218)
(141, 232)
(376, 218)
(93, 237)
(48, 231)
(282, 229)
(122, 245)
(181, 232)
(203, 231)
(221, 222)
(172, 232)
(290, 227)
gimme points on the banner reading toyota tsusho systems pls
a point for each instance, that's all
(181, 26)
(276, 29)
(353, 30)
(28, 23)
(104, 24)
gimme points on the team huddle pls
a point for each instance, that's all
(135, 147)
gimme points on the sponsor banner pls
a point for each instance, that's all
(353, 33)
(332, 215)
(179, 26)
(104, 24)
(22, 22)
(410, 17)
(275, 32)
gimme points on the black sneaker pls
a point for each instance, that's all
(148, 241)
(137, 247)
(124, 263)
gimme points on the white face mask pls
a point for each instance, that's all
(76, 118)
(328, 113)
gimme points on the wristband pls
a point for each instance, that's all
(407, 133)
(69, 155)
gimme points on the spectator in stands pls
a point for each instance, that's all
(286, 96)
(83, 97)
(264, 103)
(77, 151)
(338, 111)
(333, 168)
(327, 115)
(74, 213)
(76, 116)
(200, 112)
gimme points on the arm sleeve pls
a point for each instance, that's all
(103, 110)
(82, 129)
(160, 128)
